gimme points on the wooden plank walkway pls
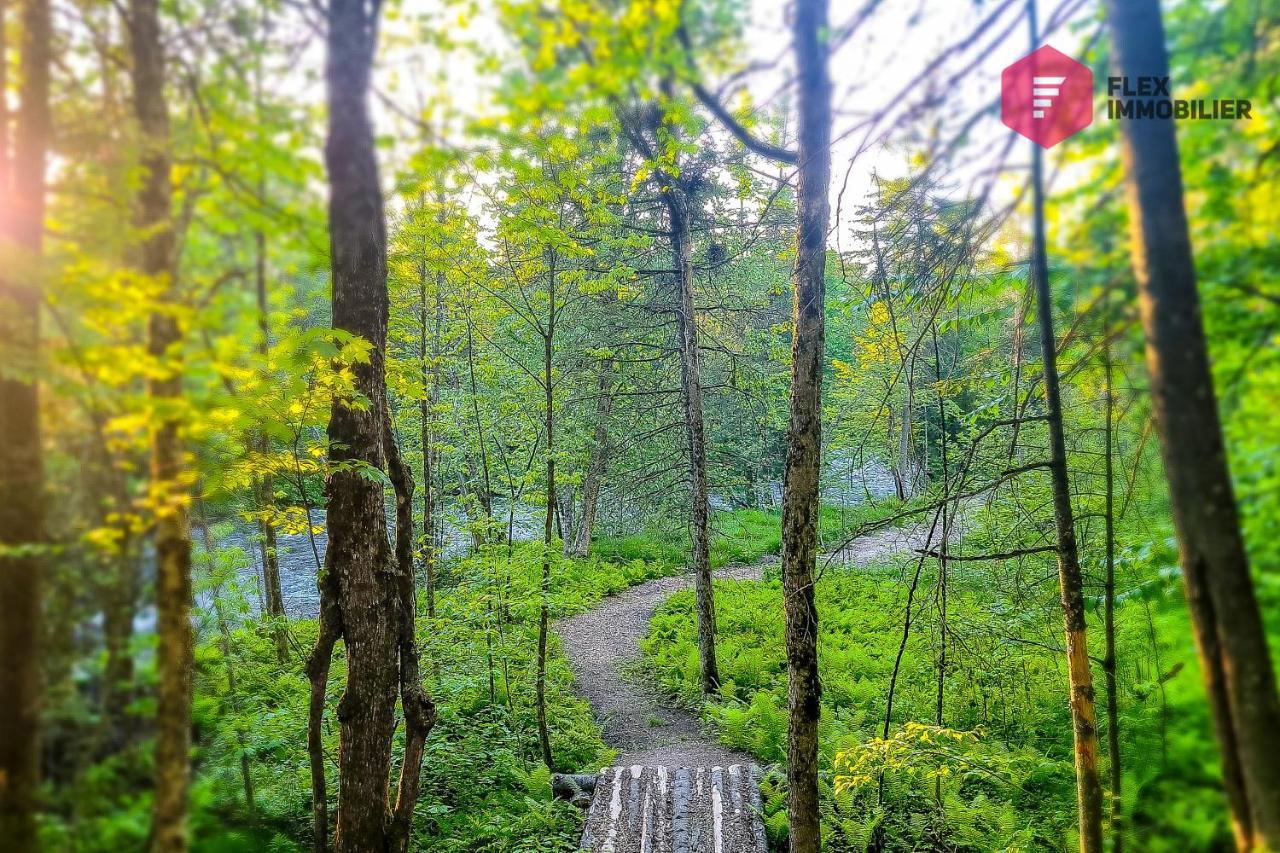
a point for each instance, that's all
(639, 809)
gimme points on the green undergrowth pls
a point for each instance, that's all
(1000, 775)
(484, 787)
(737, 536)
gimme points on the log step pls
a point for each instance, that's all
(640, 809)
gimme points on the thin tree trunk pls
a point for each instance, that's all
(1018, 345)
(1070, 577)
(691, 385)
(599, 461)
(804, 432)
(548, 338)
(21, 459)
(174, 658)
(1235, 659)
(946, 538)
(329, 632)
(905, 465)
(419, 709)
(564, 506)
(906, 632)
(1109, 607)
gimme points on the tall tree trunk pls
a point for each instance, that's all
(947, 520)
(678, 211)
(174, 657)
(1235, 659)
(804, 431)
(366, 588)
(599, 461)
(540, 687)
(358, 557)
(1070, 577)
(21, 460)
(566, 516)
(1109, 604)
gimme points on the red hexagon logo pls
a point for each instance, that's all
(1046, 96)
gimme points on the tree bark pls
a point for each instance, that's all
(21, 459)
(265, 483)
(1235, 659)
(678, 211)
(548, 530)
(174, 658)
(677, 200)
(906, 467)
(419, 709)
(947, 519)
(1070, 577)
(599, 461)
(358, 556)
(804, 432)
(366, 588)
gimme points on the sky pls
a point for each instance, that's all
(913, 75)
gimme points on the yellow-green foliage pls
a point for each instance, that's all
(915, 750)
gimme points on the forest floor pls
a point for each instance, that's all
(638, 720)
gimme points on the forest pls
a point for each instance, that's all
(409, 405)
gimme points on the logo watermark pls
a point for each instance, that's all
(1047, 96)
(1149, 97)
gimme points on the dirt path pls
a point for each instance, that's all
(603, 643)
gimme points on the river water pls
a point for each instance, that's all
(299, 553)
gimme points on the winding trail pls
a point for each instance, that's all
(603, 645)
